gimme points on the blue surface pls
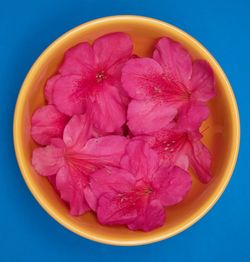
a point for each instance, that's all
(27, 233)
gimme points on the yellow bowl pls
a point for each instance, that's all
(222, 136)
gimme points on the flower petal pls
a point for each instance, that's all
(108, 111)
(109, 180)
(171, 185)
(151, 217)
(47, 123)
(49, 88)
(182, 161)
(78, 60)
(149, 116)
(77, 132)
(48, 160)
(112, 49)
(109, 185)
(139, 159)
(69, 95)
(200, 161)
(106, 150)
(70, 184)
(175, 59)
(111, 211)
(170, 143)
(57, 142)
(90, 197)
(202, 81)
(192, 115)
(140, 76)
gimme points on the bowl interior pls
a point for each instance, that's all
(221, 137)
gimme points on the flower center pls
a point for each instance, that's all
(144, 190)
(169, 143)
(148, 191)
(169, 146)
(170, 90)
(100, 76)
(140, 193)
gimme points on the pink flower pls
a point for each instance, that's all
(89, 81)
(166, 85)
(136, 193)
(74, 158)
(182, 147)
(47, 123)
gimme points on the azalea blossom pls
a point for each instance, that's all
(47, 123)
(136, 193)
(74, 158)
(89, 81)
(182, 146)
(167, 85)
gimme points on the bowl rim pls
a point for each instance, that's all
(17, 137)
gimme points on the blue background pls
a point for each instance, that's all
(27, 233)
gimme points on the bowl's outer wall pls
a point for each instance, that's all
(221, 137)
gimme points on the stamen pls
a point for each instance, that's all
(100, 76)
(148, 190)
(157, 90)
(204, 130)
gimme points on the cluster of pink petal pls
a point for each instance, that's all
(119, 132)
